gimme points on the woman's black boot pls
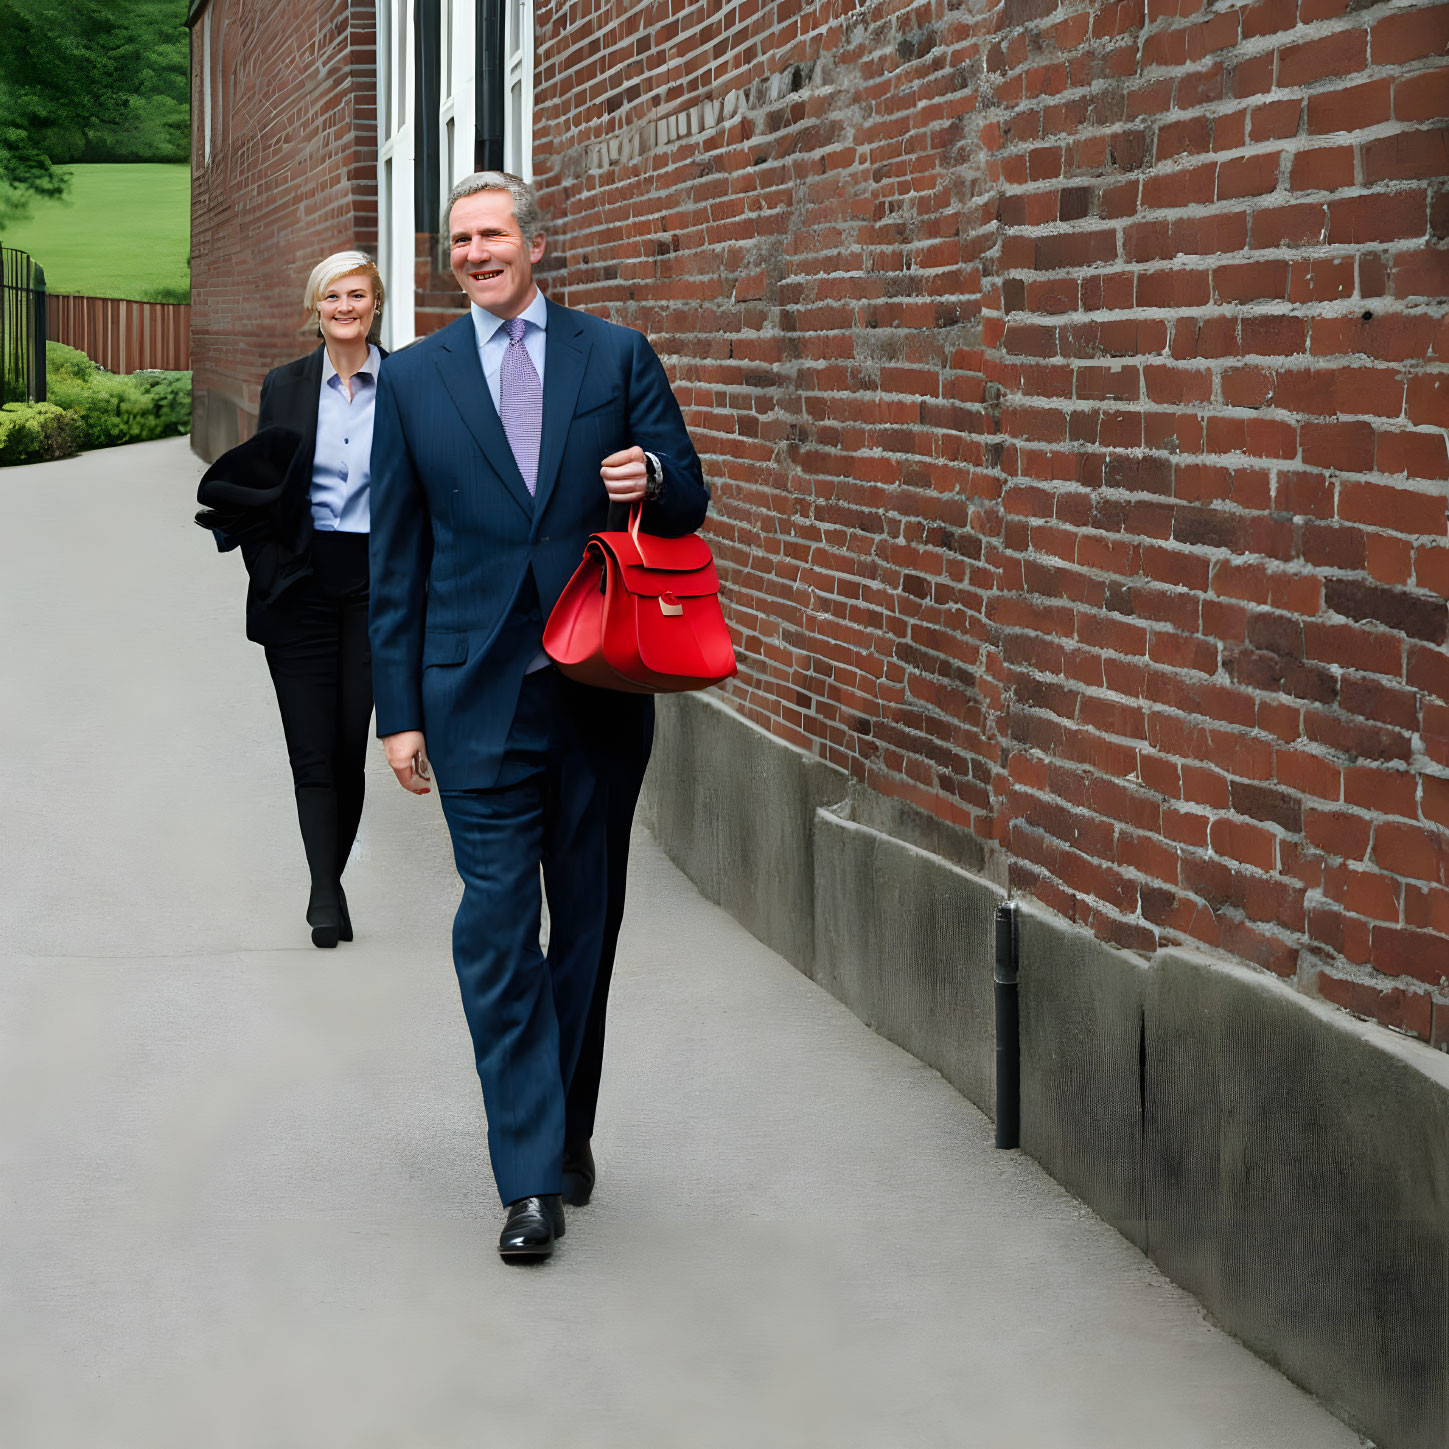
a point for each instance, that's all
(317, 815)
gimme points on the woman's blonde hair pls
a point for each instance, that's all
(343, 264)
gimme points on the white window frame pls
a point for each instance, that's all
(458, 93)
(518, 83)
(206, 84)
(396, 225)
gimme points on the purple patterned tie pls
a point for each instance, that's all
(520, 396)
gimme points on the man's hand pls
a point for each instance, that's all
(625, 475)
(407, 753)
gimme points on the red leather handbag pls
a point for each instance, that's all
(641, 615)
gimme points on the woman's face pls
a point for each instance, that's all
(346, 307)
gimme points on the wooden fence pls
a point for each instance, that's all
(123, 336)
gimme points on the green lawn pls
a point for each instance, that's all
(122, 231)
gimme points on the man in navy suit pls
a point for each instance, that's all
(499, 445)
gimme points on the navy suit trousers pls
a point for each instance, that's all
(528, 1009)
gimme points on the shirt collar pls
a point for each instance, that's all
(367, 370)
(485, 324)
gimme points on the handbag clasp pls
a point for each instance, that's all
(669, 606)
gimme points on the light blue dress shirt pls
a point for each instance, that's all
(340, 473)
(493, 341)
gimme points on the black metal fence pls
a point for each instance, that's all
(22, 328)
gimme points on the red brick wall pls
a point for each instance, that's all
(1072, 382)
(292, 177)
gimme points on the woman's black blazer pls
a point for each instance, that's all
(260, 492)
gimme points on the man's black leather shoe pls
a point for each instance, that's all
(530, 1228)
(578, 1173)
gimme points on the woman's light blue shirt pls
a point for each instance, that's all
(340, 474)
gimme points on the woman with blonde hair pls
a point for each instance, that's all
(294, 498)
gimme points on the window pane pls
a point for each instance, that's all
(384, 79)
(447, 48)
(400, 66)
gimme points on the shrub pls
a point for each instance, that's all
(36, 432)
(113, 408)
(170, 397)
(70, 361)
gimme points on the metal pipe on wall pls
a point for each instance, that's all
(1005, 975)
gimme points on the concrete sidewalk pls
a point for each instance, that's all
(244, 1194)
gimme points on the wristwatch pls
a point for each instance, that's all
(654, 469)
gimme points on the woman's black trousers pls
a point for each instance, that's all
(321, 666)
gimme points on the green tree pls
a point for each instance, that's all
(61, 78)
(154, 51)
(87, 80)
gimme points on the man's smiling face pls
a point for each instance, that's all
(491, 260)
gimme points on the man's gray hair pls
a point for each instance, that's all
(525, 202)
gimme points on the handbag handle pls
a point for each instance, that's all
(636, 517)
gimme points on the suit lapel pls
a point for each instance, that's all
(295, 407)
(462, 373)
(565, 352)
(308, 396)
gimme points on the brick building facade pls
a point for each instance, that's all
(1072, 384)
(283, 171)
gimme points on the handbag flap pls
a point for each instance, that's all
(652, 551)
(686, 571)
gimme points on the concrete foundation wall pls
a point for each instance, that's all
(1296, 1179)
(905, 940)
(738, 814)
(1081, 1038)
(1283, 1161)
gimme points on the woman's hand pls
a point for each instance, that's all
(407, 753)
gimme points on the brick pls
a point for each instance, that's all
(1343, 53)
(1309, 774)
(1248, 175)
(1427, 400)
(1411, 35)
(1268, 803)
(1407, 454)
(1322, 168)
(1407, 1011)
(1351, 108)
(1338, 833)
(1381, 791)
(1426, 908)
(1423, 96)
(1420, 616)
(1276, 226)
(1428, 670)
(1419, 954)
(1406, 156)
(1239, 840)
(1412, 851)
(1274, 121)
(1350, 937)
(1262, 948)
(1361, 219)
(1364, 892)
